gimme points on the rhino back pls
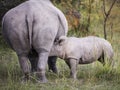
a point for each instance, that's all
(31, 20)
(87, 48)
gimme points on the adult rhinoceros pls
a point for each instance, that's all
(32, 27)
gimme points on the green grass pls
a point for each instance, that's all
(90, 76)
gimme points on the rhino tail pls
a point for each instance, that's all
(29, 23)
(109, 52)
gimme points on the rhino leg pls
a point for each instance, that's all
(23, 60)
(52, 63)
(33, 57)
(72, 63)
(42, 62)
(68, 63)
(101, 59)
(33, 61)
(42, 44)
(38, 64)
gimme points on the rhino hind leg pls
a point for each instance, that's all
(23, 60)
(52, 63)
(33, 62)
(41, 66)
(33, 58)
(101, 59)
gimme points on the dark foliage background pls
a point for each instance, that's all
(5, 5)
(81, 14)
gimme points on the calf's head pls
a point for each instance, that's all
(57, 47)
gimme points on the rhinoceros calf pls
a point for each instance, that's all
(33, 26)
(82, 51)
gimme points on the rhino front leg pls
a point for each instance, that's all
(23, 60)
(72, 63)
(52, 63)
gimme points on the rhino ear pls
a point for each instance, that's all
(62, 39)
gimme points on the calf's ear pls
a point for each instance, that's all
(62, 39)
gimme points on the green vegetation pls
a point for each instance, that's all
(91, 76)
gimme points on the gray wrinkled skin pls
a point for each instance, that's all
(82, 51)
(33, 25)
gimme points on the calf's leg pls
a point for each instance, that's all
(72, 63)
